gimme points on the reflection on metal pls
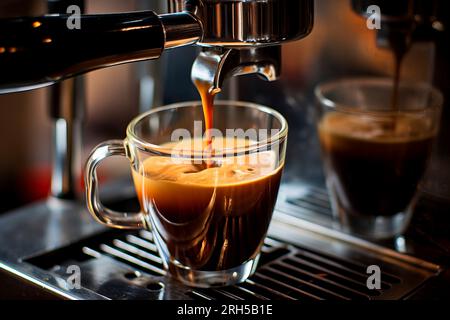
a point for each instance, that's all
(243, 23)
(67, 108)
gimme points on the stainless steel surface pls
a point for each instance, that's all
(301, 260)
(310, 207)
(131, 36)
(214, 65)
(180, 29)
(67, 110)
(43, 227)
(240, 23)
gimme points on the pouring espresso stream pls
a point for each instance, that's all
(207, 95)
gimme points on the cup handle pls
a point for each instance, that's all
(108, 217)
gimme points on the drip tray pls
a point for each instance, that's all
(303, 258)
(126, 265)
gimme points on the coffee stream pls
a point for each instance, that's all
(207, 95)
(398, 52)
(400, 43)
(398, 56)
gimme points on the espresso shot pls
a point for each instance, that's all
(375, 169)
(207, 199)
(374, 156)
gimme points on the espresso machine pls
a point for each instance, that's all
(305, 257)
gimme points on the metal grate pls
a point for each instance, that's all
(286, 272)
(311, 268)
(305, 275)
(306, 202)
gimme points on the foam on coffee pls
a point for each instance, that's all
(357, 126)
(228, 169)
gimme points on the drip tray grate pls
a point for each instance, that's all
(130, 261)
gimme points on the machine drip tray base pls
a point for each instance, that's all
(301, 259)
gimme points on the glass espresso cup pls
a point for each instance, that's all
(375, 154)
(208, 205)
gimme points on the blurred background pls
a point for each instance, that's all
(340, 45)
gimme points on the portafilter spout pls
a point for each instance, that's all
(214, 65)
(244, 36)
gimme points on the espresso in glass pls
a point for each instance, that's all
(375, 150)
(375, 165)
(206, 197)
(210, 216)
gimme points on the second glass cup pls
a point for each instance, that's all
(209, 208)
(375, 154)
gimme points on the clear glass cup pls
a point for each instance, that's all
(209, 209)
(375, 154)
